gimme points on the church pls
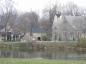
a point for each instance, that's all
(68, 28)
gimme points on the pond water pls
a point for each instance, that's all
(41, 54)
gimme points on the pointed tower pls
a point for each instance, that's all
(56, 21)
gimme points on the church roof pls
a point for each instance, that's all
(69, 23)
(77, 22)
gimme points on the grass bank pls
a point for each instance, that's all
(39, 61)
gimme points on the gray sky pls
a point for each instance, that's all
(39, 5)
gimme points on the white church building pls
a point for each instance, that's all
(68, 28)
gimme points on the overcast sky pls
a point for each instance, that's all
(39, 5)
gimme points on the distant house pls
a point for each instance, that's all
(35, 35)
(68, 28)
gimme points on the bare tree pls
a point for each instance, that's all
(23, 22)
(51, 13)
(44, 24)
(72, 9)
(33, 18)
(27, 22)
(8, 14)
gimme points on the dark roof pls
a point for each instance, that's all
(36, 30)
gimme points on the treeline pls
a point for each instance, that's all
(12, 20)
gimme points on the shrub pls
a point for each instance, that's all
(45, 38)
(81, 43)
